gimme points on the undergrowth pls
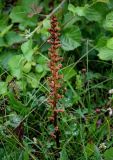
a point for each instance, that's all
(29, 100)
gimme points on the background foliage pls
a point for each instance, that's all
(87, 48)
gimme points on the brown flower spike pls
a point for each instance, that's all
(55, 78)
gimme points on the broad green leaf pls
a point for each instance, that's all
(86, 11)
(3, 22)
(22, 84)
(71, 8)
(41, 59)
(69, 19)
(105, 53)
(68, 73)
(46, 24)
(5, 57)
(71, 38)
(92, 15)
(80, 11)
(3, 87)
(6, 29)
(19, 14)
(15, 66)
(17, 105)
(27, 67)
(13, 37)
(110, 43)
(39, 68)
(63, 154)
(32, 80)
(101, 42)
(108, 154)
(27, 50)
(27, 3)
(2, 42)
(103, 1)
(108, 23)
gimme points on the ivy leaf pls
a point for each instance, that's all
(15, 66)
(71, 38)
(105, 54)
(27, 50)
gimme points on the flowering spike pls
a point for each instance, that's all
(54, 80)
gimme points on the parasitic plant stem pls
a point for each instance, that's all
(55, 78)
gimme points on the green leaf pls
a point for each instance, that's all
(63, 154)
(6, 29)
(108, 23)
(13, 37)
(5, 57)
(39, 68)
(71, 38)
(15, 66)
(105, 53)
(17, 105)
(32, 80)
(80, 11)
(18, 14)
(92, 15)
(71, 8)
(88, 12)
(2, 42)
(108, 154)
(27, 67)
(68, 73)
(42, 59)
(69, 19)
(46, 24)
(27, 50)
(103, 1)
(3, 87)
(22, 84)
(110, 43)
